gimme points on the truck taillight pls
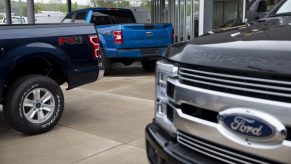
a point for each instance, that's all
(94, 40)
(117, 37)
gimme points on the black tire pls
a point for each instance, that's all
(24, 90)
(106, 63)
(149, 65)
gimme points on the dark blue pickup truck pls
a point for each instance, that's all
(122, 39)
(34, 61)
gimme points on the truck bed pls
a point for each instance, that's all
(17, 41)
(44, 30)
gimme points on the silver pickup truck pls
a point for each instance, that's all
(225, 98)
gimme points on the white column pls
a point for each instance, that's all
(192, 25)
(201, 17)
(244, 11)
(179, 21)
(30, 12)
(185, 36)
(20, 11)
(205, 16)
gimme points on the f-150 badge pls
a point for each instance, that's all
(251, 128)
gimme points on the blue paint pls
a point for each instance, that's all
(248, 126)
(134, 36)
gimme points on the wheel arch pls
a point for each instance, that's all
(39, 63)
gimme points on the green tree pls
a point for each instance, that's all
(146, 4)
(2, 6)
(122, 4)
(24, 10)
(105, 4)
(39, 7)
(110, 4)
(75, 6)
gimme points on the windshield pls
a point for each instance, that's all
(285, 8)
(250, 5)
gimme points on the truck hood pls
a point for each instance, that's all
(263, 48)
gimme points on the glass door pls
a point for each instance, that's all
(226, 11)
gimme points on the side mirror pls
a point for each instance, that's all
(261, 15)
(210, 32)
(246, 22)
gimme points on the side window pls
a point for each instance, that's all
(262, 7)
(68, 18)
(80, 17)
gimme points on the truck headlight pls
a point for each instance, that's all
(163, 72)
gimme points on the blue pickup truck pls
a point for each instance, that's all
(122, 39)
(34, 61)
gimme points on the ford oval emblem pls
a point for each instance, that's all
(252, 128)
(149, 34)
(248, 126)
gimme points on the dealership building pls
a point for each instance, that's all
(190, 18)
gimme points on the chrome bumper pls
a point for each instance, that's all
(218, 102)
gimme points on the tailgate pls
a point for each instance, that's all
(147, 35)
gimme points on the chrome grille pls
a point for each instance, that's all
(242, 85)
(214, 151)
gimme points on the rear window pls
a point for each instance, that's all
(80, 17)
(112, 17)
